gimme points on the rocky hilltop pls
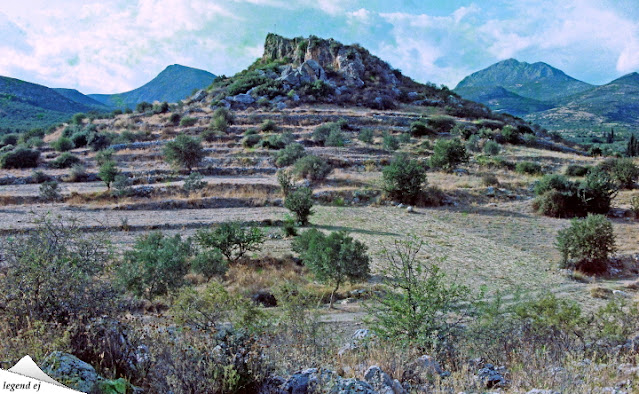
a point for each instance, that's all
(300, 70)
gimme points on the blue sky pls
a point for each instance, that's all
(112, 46)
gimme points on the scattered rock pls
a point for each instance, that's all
(539, 391)
(423, 370)
(310, 379)
(381, 382)
(409, 209)
(71, 371)
(620, 293)
(492, 377)
(199, 96)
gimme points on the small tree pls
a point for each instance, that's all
(194, 182)
(404, 179)
(62, 144)
(156, 265)
(300, 202)
(20, 157)
(333, 259)
(209, 263)
(420, 308)
(107, 173)
(232, 240)
(587, 244)
(289, 155)
(49, 191)
(448, 154)
(184, 151)
(625, 172)
(311, 167)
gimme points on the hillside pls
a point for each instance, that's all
(25, 105)
(80, 98)
(173, 84)
(501, 100)
(538, 81)
(313, 70)
(613, 104)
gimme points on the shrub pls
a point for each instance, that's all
(277, 141)
(34, 142)
(268, 125)
(184, 151)
(634, 206)
(121, 186)
(587, 244)
(39, 177)
(55, 273)
(249, 141)
(194, 182)
(143, 107)
(389, 142)
(333, 259)
(528, 167)
(219, 124)
(491, 148)
(232, 240)
(404, 179)
(321, 133)
(300, 202)
(156, 265)
(78, 118)
(209, 263)
(335, 138)
(489, 180)
(65, 160)
(312, 167)
(103, 156)
(576, 170)
(188, 121)
(289, 228)
(441, 124)
(510, 134)
(625, 172)
(99, 141)
(597, 191)
(225, 114)
(285, 180)
(49, 191)
(366, 136)
(472, 144)
(418, 306)
(554, 181)
(419, 129)
(175, 118)
(20, 157)
(80, 139)
(107, 173)
(9, 139)
(448, 154)
(289, 155)
(78, 173)
(556, 203)
(62, 144)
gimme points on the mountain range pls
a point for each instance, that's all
(25, 105)
(545, 95)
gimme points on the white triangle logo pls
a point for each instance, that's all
(27, 377)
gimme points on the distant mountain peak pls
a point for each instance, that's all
(628, 79)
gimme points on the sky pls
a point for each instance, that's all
(111, 46)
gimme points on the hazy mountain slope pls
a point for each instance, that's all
(501, 100)
(25, 105)
(173, 84)
(538, 81)
(616, 103)
(80, 98)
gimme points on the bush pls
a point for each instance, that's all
(62, 144)
(625, 172)
(559, 204)
(366, 136)
(335, 138)
(554, 181)
(300, 202)
(285, 180)
(251, 140)
(404, 179)
(99, 141)
(188, 121)
(510, 134)
(441, 124)
(175, 118)
(107, 173)
(49, 191)
(9, 139)
(489, 180)
(491, 148)
(321, 133)
(472, 143)
(34, 142)
(156, 265)
(268, 125)
(55, 273)
(312, 167)
(184, 151)
(224, 114)
(231, 239)
(103, 156)
(448, 154)
(419, 129)
(20, 157)
(121, 186)
(289, 155)
(194, 182)
(528, 167)
(209, 263)
(597, 191)
(39, 177)
(390, 142)
(65, 160)
(78, 118)
(143, 107)
(576, 170)
(78, 173)
(418, 306)
(80, 139)
(587, 244)
(333, 259)
(219, 124)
